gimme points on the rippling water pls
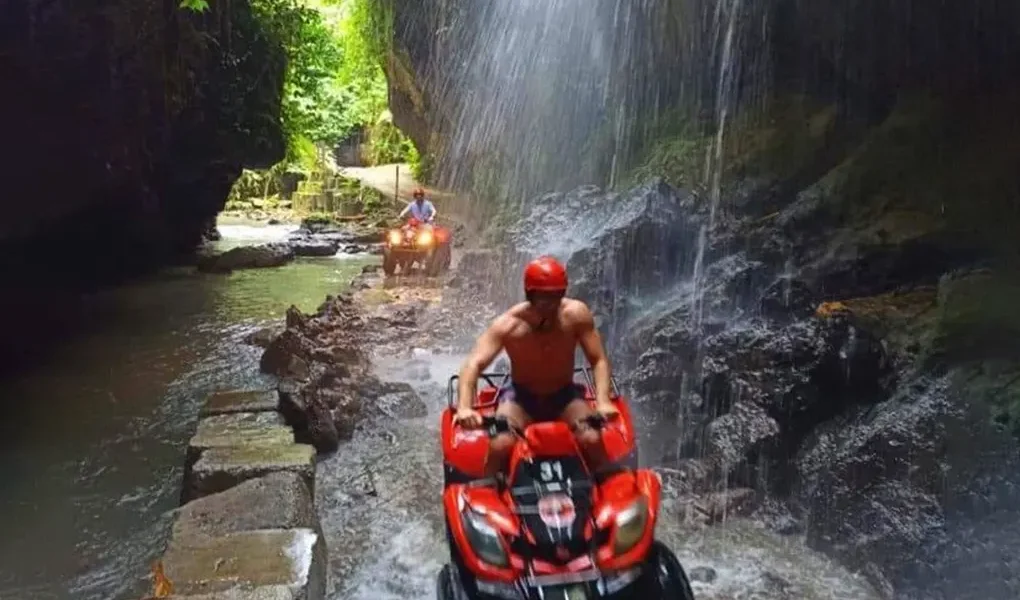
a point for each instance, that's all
(93, 440)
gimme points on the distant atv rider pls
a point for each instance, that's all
(420, 208)
(540, 337)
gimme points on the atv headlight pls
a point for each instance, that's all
(425, 238)
(484, 539)
(630, 526)
(394, 237)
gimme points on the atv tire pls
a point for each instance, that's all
(448, 585)
(438, 261)
(389, 264)
(666, 577)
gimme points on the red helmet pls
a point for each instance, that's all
(545, 274)
(419, 192)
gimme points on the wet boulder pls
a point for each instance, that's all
(787, 299)
(357, 249)
(625, 245)
(262, 337)
(871, 482)
(314, 247)
(364, 234)
(247, 257)
(305, 409)
(287, 355)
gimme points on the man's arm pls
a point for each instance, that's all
(435, 213)
(486, 348)
(591, 342)
(404, 212)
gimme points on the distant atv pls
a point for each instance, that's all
(417, 242)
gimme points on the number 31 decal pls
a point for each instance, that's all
(552, 471)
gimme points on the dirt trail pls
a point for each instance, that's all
(393, 180)
(397, 181)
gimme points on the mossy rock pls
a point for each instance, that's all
(977, 319)
(903, 320)
(770, 145)
(990, 390)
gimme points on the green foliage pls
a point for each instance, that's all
(679, 160)
(372, 20)
(313, 104)
(334, 82)
(386, 143)
(302, 155)
(422, 165)
(199, 6)
(251, 184)
(364, 29)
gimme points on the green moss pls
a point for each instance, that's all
(978, 320)
(931, 167)
(771, 144)
(678, 160)
(995, 387)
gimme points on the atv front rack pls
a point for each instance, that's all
(503, 378)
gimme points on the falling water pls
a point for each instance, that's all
(550, 94)
(536, 79)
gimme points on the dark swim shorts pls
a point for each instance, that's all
(541, 408)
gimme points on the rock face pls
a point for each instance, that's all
(132, 126)
(142, 171)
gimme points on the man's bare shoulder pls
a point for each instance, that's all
(575, 312)
(511, 320)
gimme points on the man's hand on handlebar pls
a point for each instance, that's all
(599, 419)
(468, 417)
(608, 410)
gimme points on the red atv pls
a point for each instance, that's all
(551, 530)
(424, 243)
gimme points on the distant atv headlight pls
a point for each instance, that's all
(484, 539)
(425, 238)
(393, 237)
(630, 526)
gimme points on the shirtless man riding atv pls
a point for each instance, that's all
(540, 337)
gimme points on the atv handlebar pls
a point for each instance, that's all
(504, 377)
(498, 424)
(596, 421)
(487, 377)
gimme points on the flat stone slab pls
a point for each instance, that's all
(290, 558)
(221, 468)
(277, 501)
(237, 401)
(268, 592)
(241, 429)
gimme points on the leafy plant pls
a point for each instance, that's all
(198, 6)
